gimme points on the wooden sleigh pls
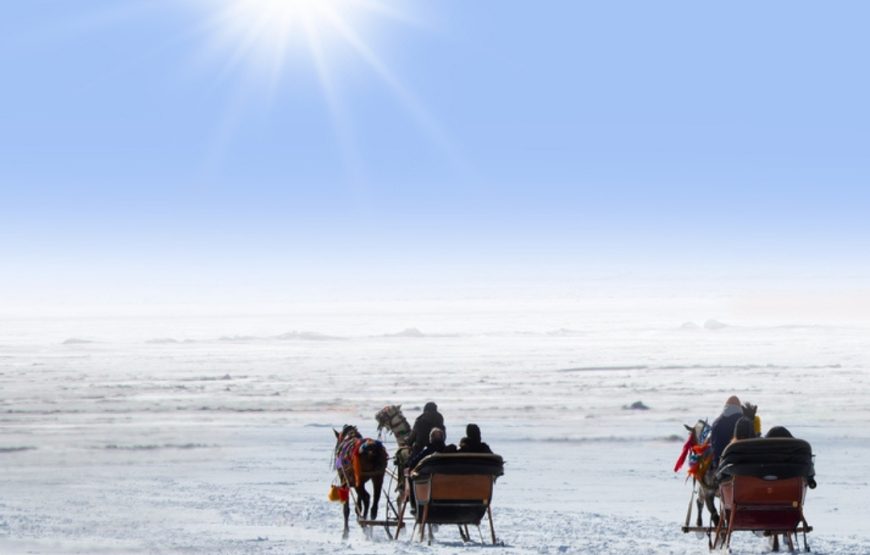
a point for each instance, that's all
(762, 487)
(452, 488)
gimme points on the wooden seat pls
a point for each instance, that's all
(758, 504)
(453, 498)
(455, 489)
(763, 483)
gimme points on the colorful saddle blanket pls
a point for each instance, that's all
(347, 458)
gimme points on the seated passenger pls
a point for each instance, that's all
(778, 431)
(472, 443)
(722, 430)
(743, 429)
(782, 432)
(436, 445)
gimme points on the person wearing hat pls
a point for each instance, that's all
(472, 443)
(723, 427)
(424, 424)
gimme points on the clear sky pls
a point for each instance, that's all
(157, 151)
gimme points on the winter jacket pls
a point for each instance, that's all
(437, 447)
(469, 446)
(422, 426)
(723, 430)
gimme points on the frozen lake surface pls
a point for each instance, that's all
(204, 435)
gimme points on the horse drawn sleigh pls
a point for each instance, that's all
(761, 484)
(443, 488)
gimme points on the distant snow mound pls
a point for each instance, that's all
(305, 336)
(76, 341)
(714, 325)
(690, 326)
(236, 338)
(637, 405)
(161, 341)
(407, 332)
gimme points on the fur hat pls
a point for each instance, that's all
(432, 407)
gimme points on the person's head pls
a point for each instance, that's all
(778, 431)
(744, 429)
(472, 432)
(733, 400)
(430, 407)
(436, 436)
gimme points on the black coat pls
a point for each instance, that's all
(422, 426)
(438, 447)
(470, 446)
(721, 433)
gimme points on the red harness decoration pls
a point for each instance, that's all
(700, 455)
(690, 443)
(357, 469)
(347, 461)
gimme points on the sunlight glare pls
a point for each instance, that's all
(265, 33)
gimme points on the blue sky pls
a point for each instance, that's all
(467, 142)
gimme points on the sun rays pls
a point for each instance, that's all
(266, 43)
(261, 33)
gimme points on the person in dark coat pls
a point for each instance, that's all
(783, 432)
(430, 418)
(471, 443)
(435, 445)
(723, 427)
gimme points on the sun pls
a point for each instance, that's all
(266, 35)
(265, 30)
(260, 43)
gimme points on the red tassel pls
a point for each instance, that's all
(688, 445)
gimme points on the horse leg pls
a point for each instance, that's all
(346, 509)
(700, 504)
(362, 501)
(377, 486)
(711, 506)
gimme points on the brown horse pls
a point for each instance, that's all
(358, 460)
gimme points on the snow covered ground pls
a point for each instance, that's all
(213, 435)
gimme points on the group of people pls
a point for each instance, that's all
(429, 435)
(738, 422)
